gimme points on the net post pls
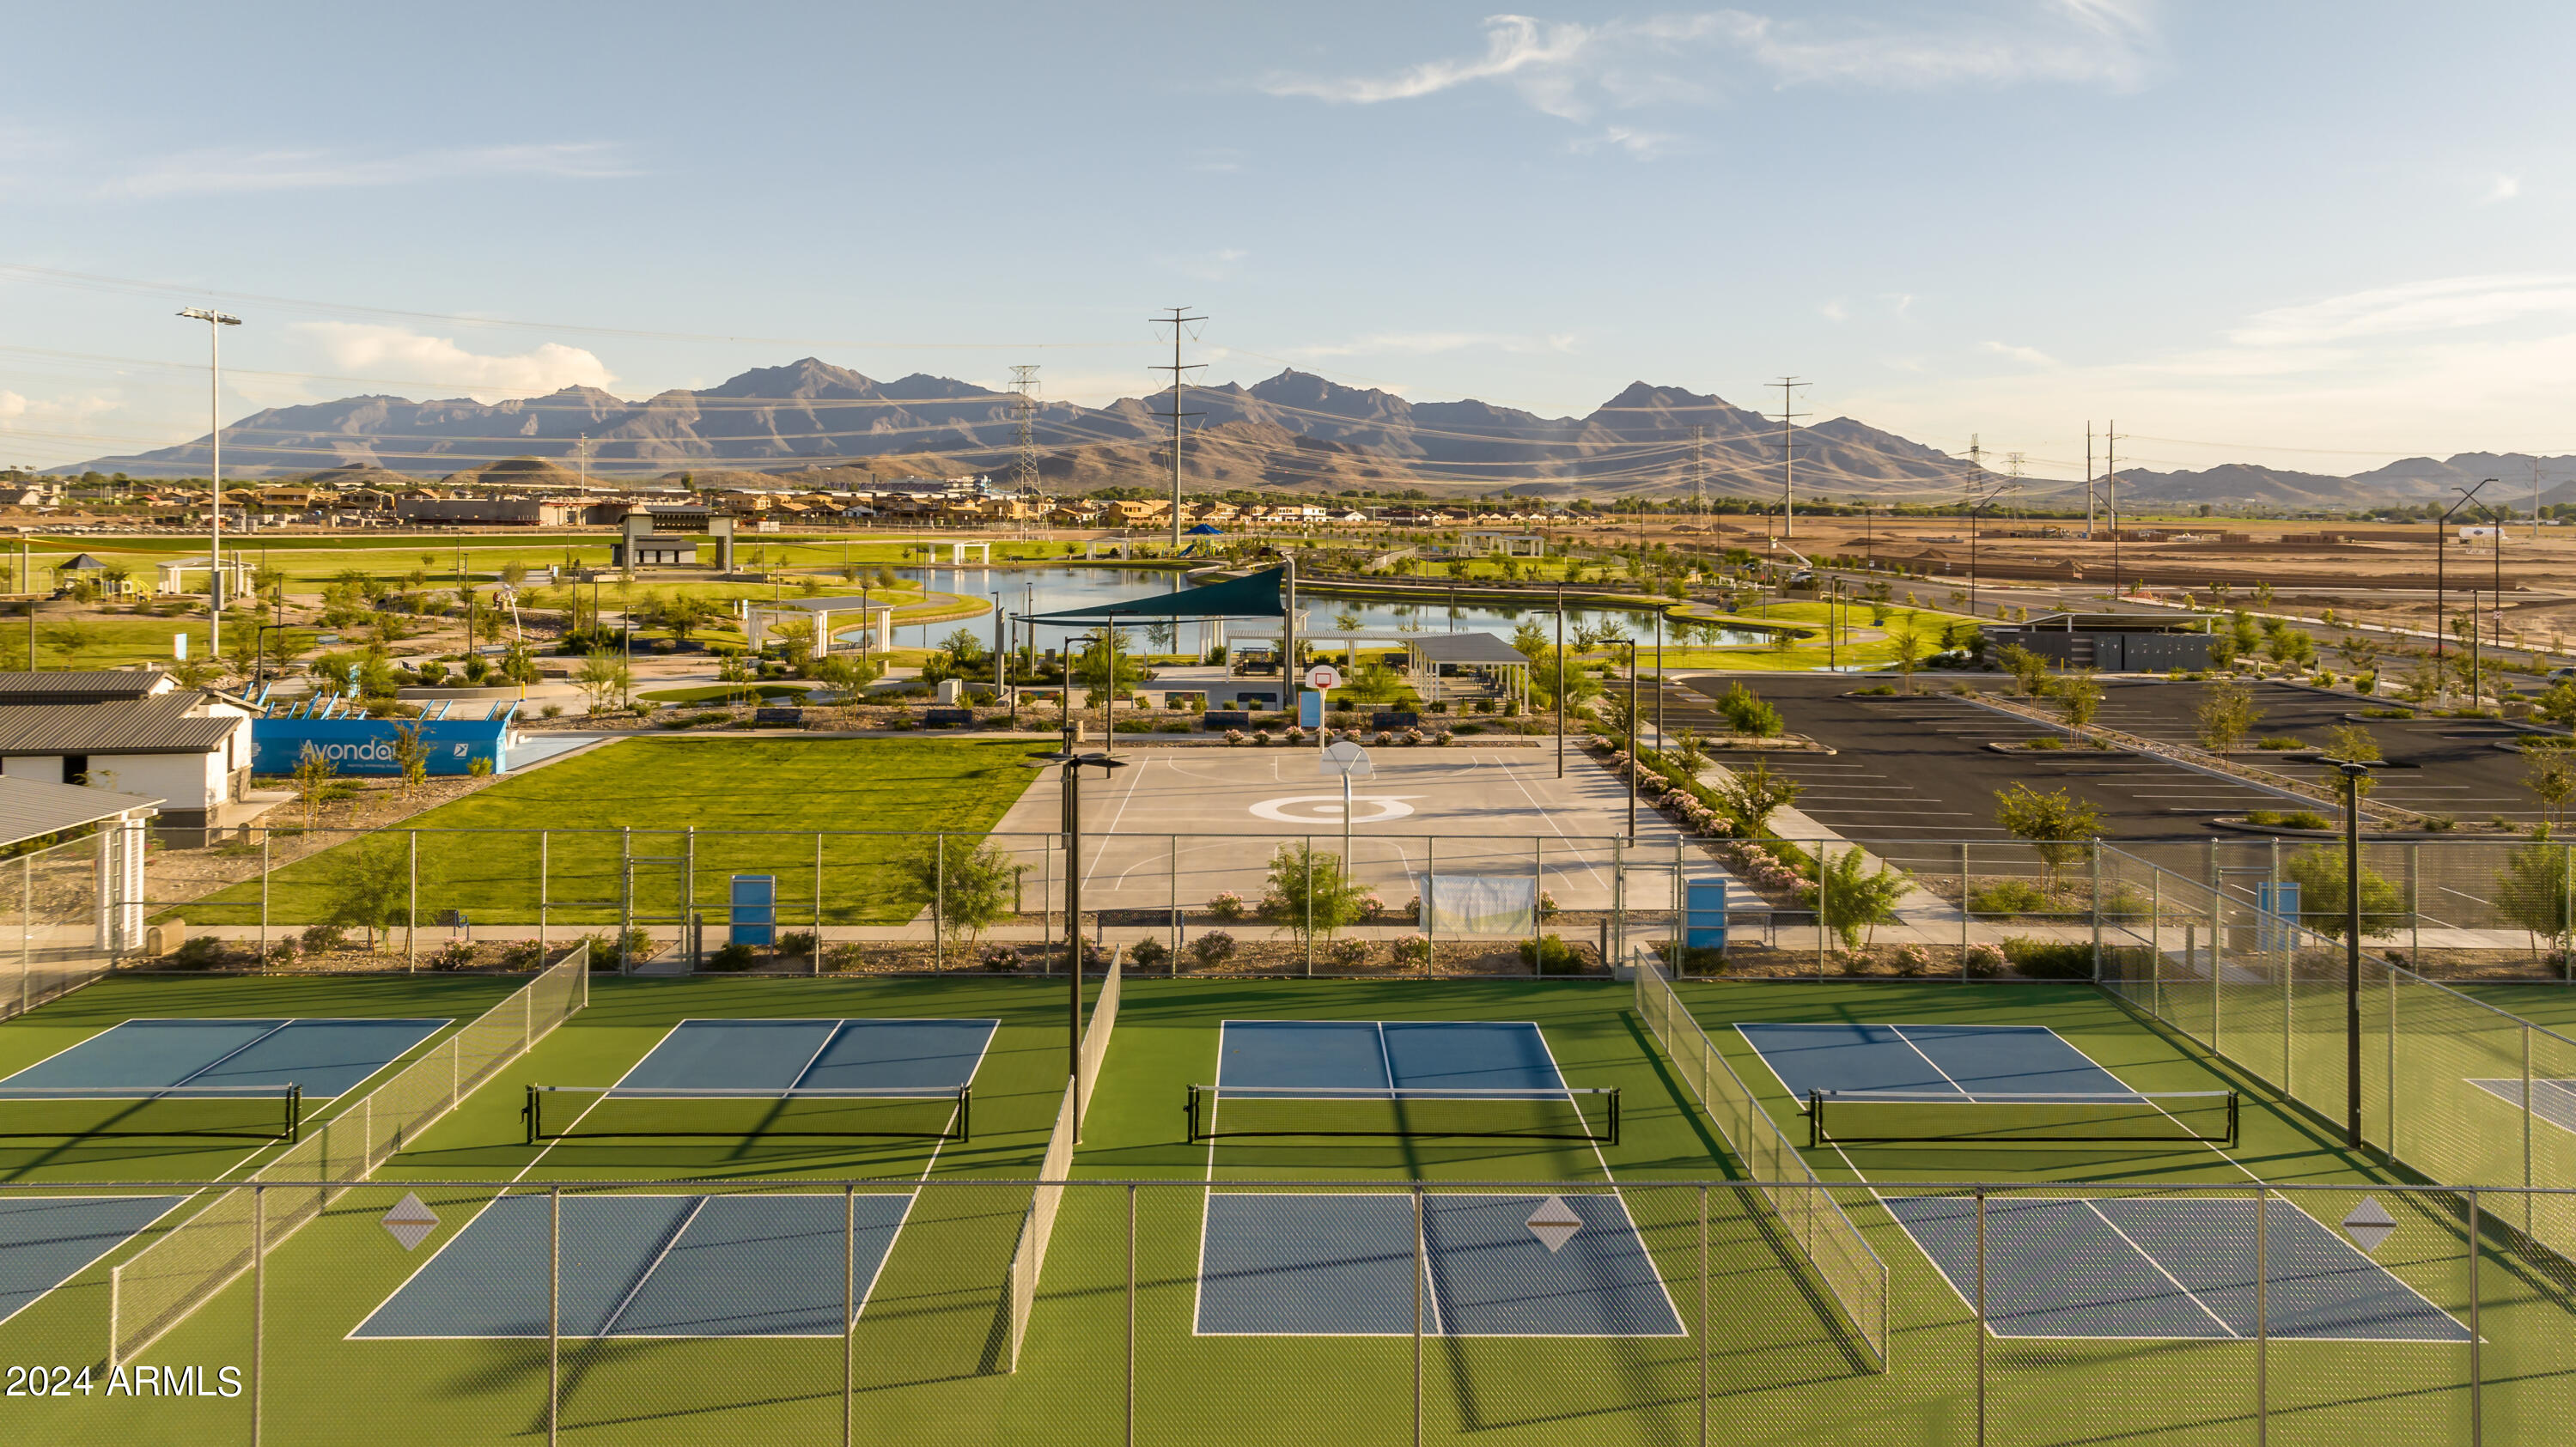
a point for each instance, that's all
(536, 1127)
(2262, 1314)
(258, 1297)
(1815, 1120)
(294, 1113)
(554, 1314)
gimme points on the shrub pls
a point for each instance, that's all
(1148, 954)
(1212, 949)
(323, 939)
(1911, 960)
(1227, 906)
(202, 952)
(2280, 743)
(2290, 819)
(2008, 896)
(1985, 961)
(797, 942)
(1550, 955)
(2051, 742)
(454, 955)
(1410, 951)
(733, 957)
(552, 710)
(2050, 959)
(1347, 954)
(522, 955)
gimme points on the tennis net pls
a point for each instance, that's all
(260, 1112)
(560, 1112)
(1855, 1116)
(1588, 1114)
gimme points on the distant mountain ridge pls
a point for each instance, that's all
(1295, 430)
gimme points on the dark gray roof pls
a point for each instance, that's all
(1466, 648)
(161, 725)
(78, 685)
(30, 809)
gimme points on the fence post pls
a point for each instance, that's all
(1421, 1265)
(1618, 896)
(266, 863)
(1824, 863)
(1963, 909)
(258, 1298)
(849, 1293)
(411, 904)
(1310, 904)
(1538, 917)
(1981, 1316)
(1173, 872)
(625, 896)
(2156, 940)
(2415, 908)
(2097, 911)
(2262, 1315)
(1046, 897)
(554, 1313)
(1703, 1312)
(545, 876)
(2477, 1333)
(818, 901)
(27, 930)
(2526, 1129)
(1430, 881)
(1131, 1314)
(939, 903)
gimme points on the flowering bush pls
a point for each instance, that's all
(1371, 907)
(1441, 738)
(1910, 960)
(1212, 949)
(1985, 961)
(1295, 734)
(1763, 870)
(1413, 736)
(1260, 737)
(1236, 736)
(1411, 949)
(1385, 737)
(1228, 905)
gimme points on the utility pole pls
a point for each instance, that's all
(1788, 455)
(585, 461)
(1024, 410)
(215, 323)
(2111, 499)
(2088, 481)
(2441, 555)
(1179, 322)
(1976, 469)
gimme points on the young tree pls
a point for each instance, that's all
(2532, 891)
(603, 676)
(1751, 796)
(367, 885)
(964, 881)
(71, 638)
(2551, 778)
(2029, 671)
(411, 756)
(2318, 870)
(796, 643)
(2079, 697)
(2053, 824)
(2227, 716)
(1309, 892)
(312, 781)
(1852, 904)
(1909, 652)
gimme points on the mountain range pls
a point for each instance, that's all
(1294, 430)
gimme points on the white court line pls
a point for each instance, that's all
(1129, 797)
(74, 1274)
(608, 1327)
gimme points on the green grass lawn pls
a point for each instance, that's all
(757, 804)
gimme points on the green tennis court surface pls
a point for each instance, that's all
(1440, 1233)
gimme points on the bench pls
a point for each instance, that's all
(1393, 720)
(1228, 718)
(939, 718)
(792, 717)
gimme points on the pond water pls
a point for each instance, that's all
(1048, 590)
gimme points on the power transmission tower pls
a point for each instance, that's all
(1024, 410)
(1788, 454)
(1179, 322)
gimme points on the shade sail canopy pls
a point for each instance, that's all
(1466, 649)
(1255, 595)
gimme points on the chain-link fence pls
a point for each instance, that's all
(792, 1312)
(55, 902)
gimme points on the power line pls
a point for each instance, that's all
(1788, 455)
(1179, 322)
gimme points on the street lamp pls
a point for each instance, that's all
(1071, 763)
(2353, 772)
(215, 323)
(1978, 506)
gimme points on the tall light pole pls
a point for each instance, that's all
(2441, 556)
(215, 323)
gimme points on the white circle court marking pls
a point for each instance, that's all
(1327, 808)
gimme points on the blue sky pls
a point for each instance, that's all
(2311, 235)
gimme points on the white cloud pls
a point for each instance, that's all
(1575, 71)
(1835, 311)
(237, 170)
(403, 354)
(2503, 188)
(2030, 356)
(1222, 264)
(2444, 304)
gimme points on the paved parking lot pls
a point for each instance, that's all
(2455, 767)
(1917, 768)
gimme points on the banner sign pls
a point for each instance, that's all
(366, 745)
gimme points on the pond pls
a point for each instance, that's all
(1048, 590)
